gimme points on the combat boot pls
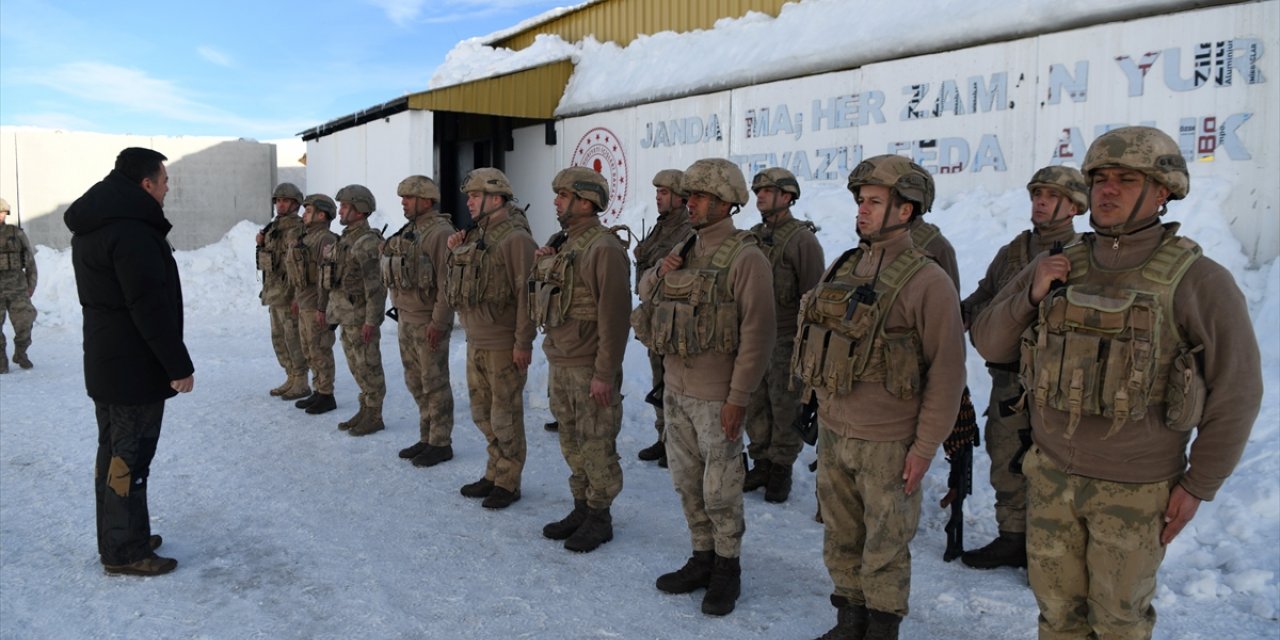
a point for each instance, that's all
(20, 358)
(596, 530)
(779, 486)
(433, 456)
(412, 451)
(1007, 550)
(479, 489)
(552, 426)
(324, 404)
(724, 588)
(4, 360)
(500, 498)
(882, 625)
(299, 388)
(284, 386)
(562, 529)
(653, 451)
(851, 620)
(307, 401)
(757, 476)
(371, 422)
(347, 424)
(695, 574)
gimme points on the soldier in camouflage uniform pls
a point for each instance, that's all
(304, 259)
(273, 243)
(414, 268)
(1143, 341)
(881, 342)
(1058, 195)
(671, 228)
(710, 314)
(17, 285)
(797, 261)
(356, 303)
(489, 265)
(576, 300)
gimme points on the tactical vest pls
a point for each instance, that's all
(404, 265)
(692, 309)
(271, 255)
(786, 289)
(12, 253)
(477, 272)
(923, 234)
(556, 290)
(842, 339)
(301, 265)
(333, 271)
(1106, 343)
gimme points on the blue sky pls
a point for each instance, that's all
(264, 70)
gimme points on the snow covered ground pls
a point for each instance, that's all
(287, 528)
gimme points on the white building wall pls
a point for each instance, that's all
(532, 183)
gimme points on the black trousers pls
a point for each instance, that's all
(127, 438)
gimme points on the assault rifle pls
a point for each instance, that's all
(654, 397)
(959, 451)
(1008, 409)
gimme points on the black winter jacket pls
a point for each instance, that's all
(130, 292)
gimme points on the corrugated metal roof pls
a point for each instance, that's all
(621, 21)
(531, 93)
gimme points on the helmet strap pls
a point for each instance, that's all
(1053, 219)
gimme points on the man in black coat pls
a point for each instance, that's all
(134, 357)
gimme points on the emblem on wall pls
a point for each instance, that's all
(600, 150)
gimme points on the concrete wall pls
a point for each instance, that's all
(532, 183)
(214, 182)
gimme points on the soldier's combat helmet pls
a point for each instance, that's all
(1066, 181)
(322, 203)
(358, 196)
(287, 190)
(419, 187)
(1144, 149)
(671, 180)
(488, 181)
(584, 183)
(4, 205)
(778, 178)
(908, 179)
(718, 177)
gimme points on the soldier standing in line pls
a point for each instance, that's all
(414, 268)
(273, 243)
(356, 302)
(710, 315)
(1127, 341)
(17, 285)
(797, 261)
(489, 265)
(577, 301)
(881, 342)
(1058, 195)
(310, 299)
(671, 228)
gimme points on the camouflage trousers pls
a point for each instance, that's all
(17, 304)
(659, 370)
(426, 374)
(868, 521)
(317, 345)
(365, 362)
(773, 408)
(588, 435)
(1093, 549)
(496, 388)
(1001, 433)
(706, 469)
(286, 341)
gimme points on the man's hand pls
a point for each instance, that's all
(670, 263)
(1182, 508)
(601, 392)
(433, 337)
(184, 385)
(521, 359)
(1053, 267)
(455, 239)
(913, 471)
(731, 417)
(366, 333)
(544, 251)
(259, 238)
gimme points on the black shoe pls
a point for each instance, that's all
(152, 565)
(851, 620)
(307, 401)
(562, 529)
(695, 574)
(552, 426)
(662, 462)
(500, 498)
(323, 404)
(653, 452)
(882, 625)
(779, 485)
(595, 531)
(479, 489)
(757, 476)
(409, 453)
(21, 360)
(433, 456)
(724, 588)
(1007, 550)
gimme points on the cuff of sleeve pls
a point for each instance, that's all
(924, 450)
(1197, 490)
(738, 398)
